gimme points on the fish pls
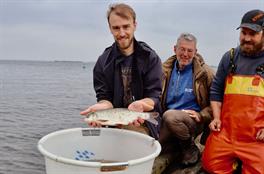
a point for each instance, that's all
(120, 116)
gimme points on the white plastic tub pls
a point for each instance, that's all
(98, 150)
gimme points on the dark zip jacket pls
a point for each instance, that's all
(146, 77)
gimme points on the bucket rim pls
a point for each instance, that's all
(132, 162)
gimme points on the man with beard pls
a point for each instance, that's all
(128, 73)
(237, 100)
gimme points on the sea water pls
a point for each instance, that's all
(37, 98)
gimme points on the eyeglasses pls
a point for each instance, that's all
(181, 49)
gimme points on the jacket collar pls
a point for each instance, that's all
(137, 49)
(198, 62)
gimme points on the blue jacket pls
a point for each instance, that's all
(202, 79)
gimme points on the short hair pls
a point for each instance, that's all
(122, 10)
(188, 37)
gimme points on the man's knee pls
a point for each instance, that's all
(218, 168)
(172, 116)
(175, 122)
(212, 162)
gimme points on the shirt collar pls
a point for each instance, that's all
(186, 68)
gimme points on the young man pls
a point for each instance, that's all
(185, 99)
(237, 100)
(128, 73)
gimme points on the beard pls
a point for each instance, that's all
(125, 45)
(251, 48)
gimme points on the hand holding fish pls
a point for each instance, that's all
(136, 106)
(137, 122)
(101, 105)
(142, 105)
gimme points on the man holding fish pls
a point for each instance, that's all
(127, 74)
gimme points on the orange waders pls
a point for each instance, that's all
(242, 116)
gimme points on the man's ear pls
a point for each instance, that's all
(110, 28)
(175, 48)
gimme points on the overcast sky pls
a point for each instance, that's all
(77, 30)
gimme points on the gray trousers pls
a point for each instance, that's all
(178, 129)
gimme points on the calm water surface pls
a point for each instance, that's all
(37, 98)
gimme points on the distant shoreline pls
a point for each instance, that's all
(63, 61)
(58, 61)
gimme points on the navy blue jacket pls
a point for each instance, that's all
(146, 77)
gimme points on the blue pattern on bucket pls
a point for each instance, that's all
(83, 155)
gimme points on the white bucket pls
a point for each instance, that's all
(98, 150)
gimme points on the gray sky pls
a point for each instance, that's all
(77, 30)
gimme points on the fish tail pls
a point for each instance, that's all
(153, 114)
(152, 117)
(153, 121)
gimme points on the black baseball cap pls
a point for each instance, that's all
(253, 20)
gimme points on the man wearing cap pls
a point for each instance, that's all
(237, 100)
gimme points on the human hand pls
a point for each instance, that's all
(104, 104)
(193, 114)
(137, 122)
(137, 106)
(94, 124)
(215, 125)
(260, 135)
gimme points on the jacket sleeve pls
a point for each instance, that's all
(152, 78)
(101, 86)
(218, 85)
(206, 112)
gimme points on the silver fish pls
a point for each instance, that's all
(121, 116)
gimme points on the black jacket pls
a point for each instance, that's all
(146, 76)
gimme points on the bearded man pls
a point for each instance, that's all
(237, 101)
(128, 73)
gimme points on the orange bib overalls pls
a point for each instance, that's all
(242, 116)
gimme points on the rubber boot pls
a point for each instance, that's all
(190, 152)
